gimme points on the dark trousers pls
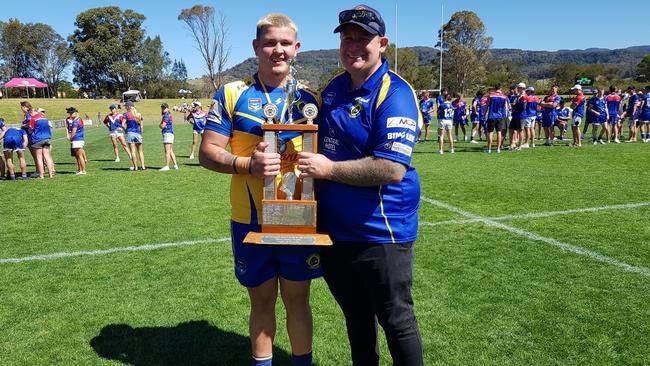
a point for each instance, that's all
(373, 283)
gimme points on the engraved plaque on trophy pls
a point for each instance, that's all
(290, 220)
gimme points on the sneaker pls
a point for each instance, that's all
(175, 167)
(601, 142)
(441, 152)
(117, 159)
(456, 139)
(192, 156)
(498, 151)
(595, 142)
(133, 168)
(24, 177)
(524, 146)
(473, 142)
(11, 177)
(34, 175)
(617, 141)
(164, 169)
(80, 173)
(464, 138)
(452, 151)
(533, 145)
(487, 151)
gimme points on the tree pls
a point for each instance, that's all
(210, 39)
(467, 51)
(407, 62)
(155, 60)
(179, 71)
(643, 69)
(108, 47)
(56, 58)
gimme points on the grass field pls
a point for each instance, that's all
(535, 257)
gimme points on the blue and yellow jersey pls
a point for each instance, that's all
(379, 119)
(236, 112)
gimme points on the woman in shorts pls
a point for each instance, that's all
(14, 139)
(197, 117)
(40, 133)
(167, 137)
(115, 131)
(445, 123)
(134, 126)
(75, 134)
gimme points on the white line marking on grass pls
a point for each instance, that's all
(539, 214)
(527, 234)
(52, 256)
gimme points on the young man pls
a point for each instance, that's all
(497, 117)
(15, 139)
(167, 137)
(598, 112)
(518, 117)
(113, 122)
(578, 106)
(75, 134)
(445, 124)
(197, 117)
(475, 115)
(532, 101)
(460, 116)
(134, 126)
(632, 112)
(644, 114)
(613, 101)
(367, 165)
(426, 107)
(235, 119)
(549, 114)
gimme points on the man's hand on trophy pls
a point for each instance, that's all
(314, 165)
(264, 164)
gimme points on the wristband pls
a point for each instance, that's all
(239, 166)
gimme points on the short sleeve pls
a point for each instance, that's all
(395, 126)
(219, 120)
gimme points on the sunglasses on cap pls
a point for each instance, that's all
(357, 15)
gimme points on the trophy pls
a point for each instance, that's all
(290, 220)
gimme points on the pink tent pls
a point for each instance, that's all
(25, 83)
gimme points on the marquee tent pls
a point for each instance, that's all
(25, 83)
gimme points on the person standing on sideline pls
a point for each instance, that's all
(3, 129)
(598, 112)
(578, 106)
(441, 98)
(613, 100)
(134, 126)
(367, 165)
(549, 114)
(518, 116)
(426, 107)
(445, 124)
(235, 118)
(532, 102)
(460, 116)
(475, 116)
(15, 139)
(197, 117)
(496, 116)
(167, 137)
(115, 131)
(563, 118)
(644, 114)
(40, 133)
(632, 112)
(75, 134)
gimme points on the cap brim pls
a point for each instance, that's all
(365, 27)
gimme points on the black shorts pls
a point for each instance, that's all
(41, 144)
(515, 124)
(497, 124)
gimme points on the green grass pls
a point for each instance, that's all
(484, 296)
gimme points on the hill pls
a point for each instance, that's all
(313, 66)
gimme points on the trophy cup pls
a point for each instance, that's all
(292, 220)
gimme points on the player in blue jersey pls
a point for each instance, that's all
(460, 116)
(427, 108)
(134, 126)
(518, 105)
(167, 137)
(445, 123)
(549, 114)
(563, 118)
(197, 117)
(14, 139)
(613, 101)
(530, 113)
(40, 133)
(632, 112)
(75, 134)
(3, 129)
(235, 118)
(598, 112)
(475, 116)
(497, 117)
(578, 106)
(644, 114)
(113, 122)
(367, 165)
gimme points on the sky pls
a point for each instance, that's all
(512, 24)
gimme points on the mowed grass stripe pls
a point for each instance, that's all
(564, 246)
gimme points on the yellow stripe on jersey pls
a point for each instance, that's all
(253, 118)
(383, 92)
(381, 206)
(232, 92)
(415, 99)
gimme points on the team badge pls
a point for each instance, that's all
(355, 110)
(313, 261)
(254, 104)
(329, 98)
(240, 266)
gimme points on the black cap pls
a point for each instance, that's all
(164, 105)
(365, 17)
(129, 104)
(71, 110)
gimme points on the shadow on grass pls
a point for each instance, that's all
(191, 343)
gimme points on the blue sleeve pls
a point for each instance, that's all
(219, 120)
(395, 126)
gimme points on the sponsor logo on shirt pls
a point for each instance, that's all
(403, 134)
(330, 143)
(401, 122)
(254, 104)
(402, 149)
(329, 98)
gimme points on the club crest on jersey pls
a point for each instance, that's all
(355, 110)
(254, 104)
(329, 98)
(313, 261)
(240, 266)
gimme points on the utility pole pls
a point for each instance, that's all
(442, 25)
